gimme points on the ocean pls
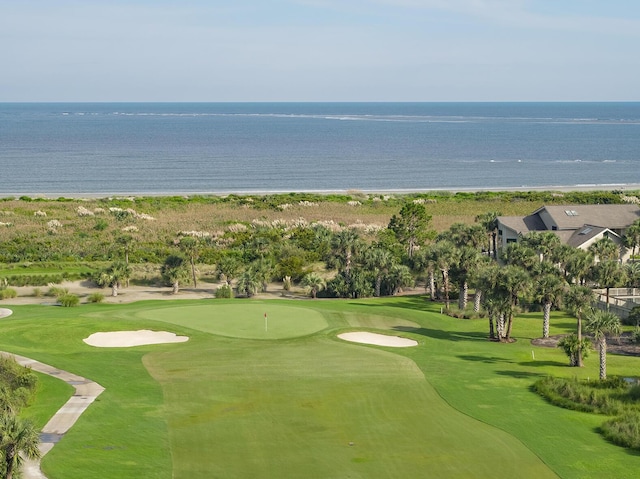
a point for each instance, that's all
(188, 148)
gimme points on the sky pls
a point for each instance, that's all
(319, 50)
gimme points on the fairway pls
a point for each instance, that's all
(244, 320)
(319, 409)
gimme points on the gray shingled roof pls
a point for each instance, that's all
(523, 225)
(584, 234)
(609, 216)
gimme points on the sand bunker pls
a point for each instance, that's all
(4, 312)
(126, 339)
(378, 339)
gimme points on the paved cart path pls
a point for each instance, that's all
(86, 392)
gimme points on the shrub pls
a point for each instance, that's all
(57, 292)
(224, 292)
(7, 293)
(37, 293)
(624, 430)
(95, 298)
(69, 300)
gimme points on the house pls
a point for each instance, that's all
(576, 225)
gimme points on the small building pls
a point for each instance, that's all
(576, 225)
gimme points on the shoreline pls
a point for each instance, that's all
(399, 191)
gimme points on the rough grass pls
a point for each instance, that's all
(455, 406)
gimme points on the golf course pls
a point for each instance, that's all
(266, 389)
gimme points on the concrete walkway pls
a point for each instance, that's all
(86, 392)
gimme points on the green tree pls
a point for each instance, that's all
(632, 238)
(411, 226)
(513, 281)
(345, 245)
(18, 439)
(174, 270)
(126, 242)
(522, 255)
(424, 260)
(601, 323)
(548, 290)
(468, 262)
(378, 261)
(543, 242)
(579, 299)
(314, 282)
(114, 275)
(190, 246)
(249, 283)
(399, 276)
(575, 348)
(445, 257)
(605, 250)
(608, 274)
(577, 265)
(228, 268)
(490, 224)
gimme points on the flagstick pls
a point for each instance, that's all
(265, 322)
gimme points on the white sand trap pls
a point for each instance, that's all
(4, 312)
(378, 339)
(126, 339)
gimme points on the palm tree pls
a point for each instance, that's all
(514, 281)
(609, 274)
(632, 238)
(424, 259)
(445, 257)
(577, 265)
(549, 290)
(579, 299)
(228, 268)
(468, 262)
(126, 241)
(115, 274)
(190, 246)
(521, 254)
(489, 223)
(543, 242)
(399, 276)
(18, 439)
(601, 323)
(605, 250)
(314, 282)
(249, 283)
(378, 261)
(174, 270)
(344, 245)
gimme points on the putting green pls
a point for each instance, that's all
(243, 320)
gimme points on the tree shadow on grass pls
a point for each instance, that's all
(415, 303)
(484, 359)
(539, 364)
(520, 374)
(440, 334)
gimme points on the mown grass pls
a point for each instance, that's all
(218, 406)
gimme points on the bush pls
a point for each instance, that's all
(624, 430)
(69, 300)
(57, 292)
(96, 298)
(7, 293)
(37, 293)
(224, 292)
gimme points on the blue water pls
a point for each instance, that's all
(152, 148)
